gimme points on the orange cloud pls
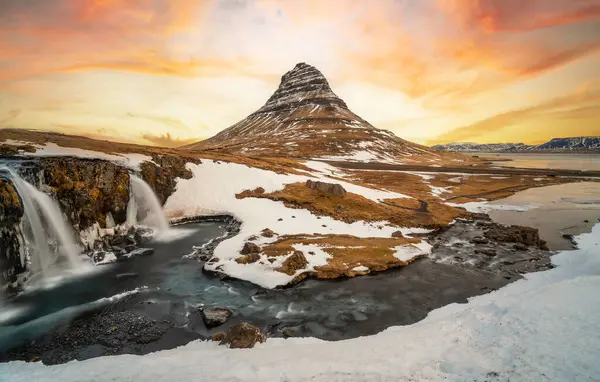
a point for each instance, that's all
(518, 16)
(583, 102)
(39, 37)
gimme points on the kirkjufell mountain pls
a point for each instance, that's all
(304, 118)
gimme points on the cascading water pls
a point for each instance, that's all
(144, 207)
(44, 224)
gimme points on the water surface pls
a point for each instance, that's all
(589, 162)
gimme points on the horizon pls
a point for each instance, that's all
(166, 74)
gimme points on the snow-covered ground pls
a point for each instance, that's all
(541, 328)
(49, 149)
(213, 188)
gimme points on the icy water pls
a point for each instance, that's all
(562, 209)
(172, 289)
(589, 162)
(175, 288)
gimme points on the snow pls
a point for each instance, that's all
(315, 255)
(48, 149)
(195, 197)
(361, 268)
(543, 327)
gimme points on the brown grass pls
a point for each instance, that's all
(353, 207)
(347, 252)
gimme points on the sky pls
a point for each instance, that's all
(170, 72)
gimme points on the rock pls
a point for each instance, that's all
(248, 259)
(253, 238)
(520, 247)
(163, 173)
(103, 257)
(280, 219)
(287, 332)
(397, 234)
(215, 316)
(293, 263)
(141, 252)
(487, 252)
(218, 336)
(327, 188)
(586, 221)
(243, 336)
(250, 248)
(143, 235)
(268, 233)
(515, 234)
(479, 240)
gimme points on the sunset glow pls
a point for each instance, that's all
(432, 71)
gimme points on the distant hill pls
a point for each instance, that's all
(572, 144)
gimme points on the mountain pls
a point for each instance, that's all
(577, 144)
(483, 147)
(304, 118)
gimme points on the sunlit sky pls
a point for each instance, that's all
(166, 72)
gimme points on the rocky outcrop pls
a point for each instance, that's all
(162, 172)
(87, 190)
(11, 211)
(327, 188)
(293, 263)
(242, 336)
(526, 236)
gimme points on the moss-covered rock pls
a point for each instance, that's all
(11, 211)
(11, 208)
(87, 190)
(162, 174)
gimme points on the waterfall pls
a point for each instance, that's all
(144, 207)
(43, 225)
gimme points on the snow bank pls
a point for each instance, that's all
(544, 327)
(212, 191)
(48, 149)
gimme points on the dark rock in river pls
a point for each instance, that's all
(515, 234)
(215, 316)
(243, 336)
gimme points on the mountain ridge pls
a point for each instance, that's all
(567, 144)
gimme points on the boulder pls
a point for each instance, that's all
(218, 336)
(215, 316)
(248, 259)
(293, 263)
(516, 234)
(397, 234)
(268, 233)
(103, 257)
(327, 188)
(250, 248)
(243, 336)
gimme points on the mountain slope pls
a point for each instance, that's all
(591, 144)
(304, 118)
